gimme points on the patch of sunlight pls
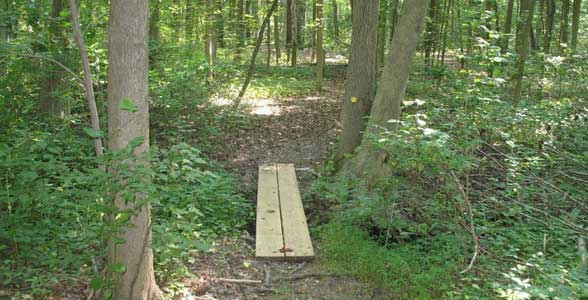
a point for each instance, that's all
(264, 107)
(256, 106)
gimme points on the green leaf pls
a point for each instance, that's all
(93, 133)
(97, 283)
(128, 105)
(136, 142)
(117, 268)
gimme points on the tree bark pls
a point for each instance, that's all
(361, 76)
(128, 79)
(289, 25)
(335, 21)
(369, 162)
(241, 34)
(522, 45)
(575, 23)
(549, 22)
(294, 44)
(51, 81)
(300, 22)
(258, 42)
(540, 25)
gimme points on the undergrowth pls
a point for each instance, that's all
(486, 199)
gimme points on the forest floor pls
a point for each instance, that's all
(301, 130)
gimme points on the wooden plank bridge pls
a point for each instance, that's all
(282, 231)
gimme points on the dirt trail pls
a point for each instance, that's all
(298, 130)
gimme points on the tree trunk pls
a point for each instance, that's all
(361, 76)
(128, 79)
(88, 83)
(522, 45)
(575, 23)
(300, 22)
(289, 25)
(294, 44)
(241, 34)
(549, 22)
(430, 33)
(539, 25)
(507, 27)
(369, 162)
(269, 39)
(320, 54)
(335, 8)
(258, 42)
(565, 11)
(277, 35)
(51, 81)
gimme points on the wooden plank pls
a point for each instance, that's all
(297, 243)
(269, 239)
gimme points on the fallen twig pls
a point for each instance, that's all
(239, 281)
(472, 228)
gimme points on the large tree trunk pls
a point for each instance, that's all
(301, 22)
(51, 80)
(540, 24)
(575, 23)
(294, 45)
(241, 33)
(523, 39)
(549, 22)
(128, 79)
(361, 76)
(335, 21)
(369, 162)
(289, 25)
(507, 27)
